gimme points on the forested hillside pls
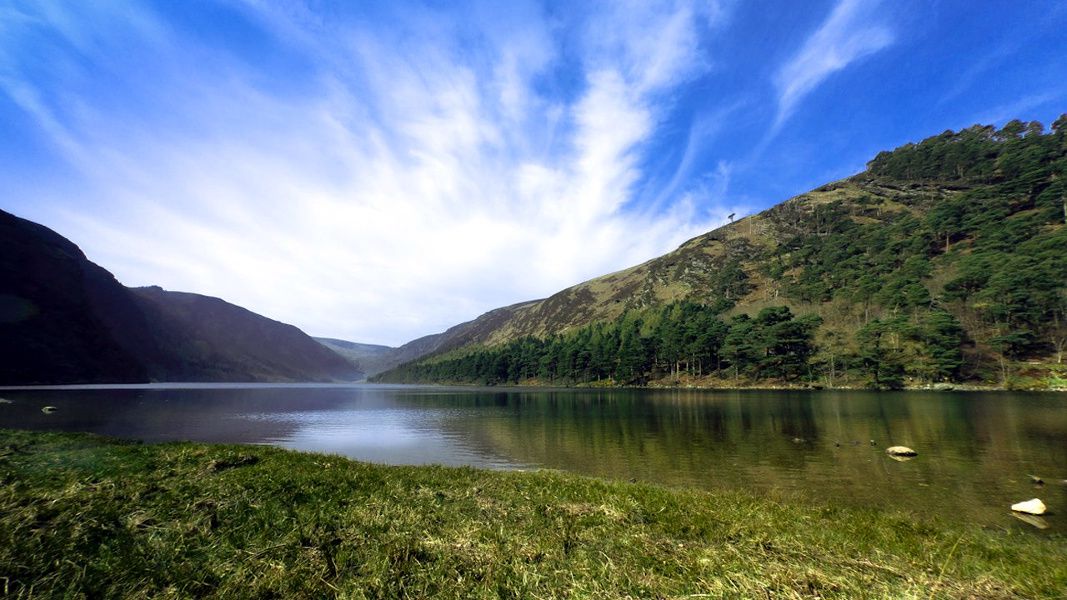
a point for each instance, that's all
(944, 261)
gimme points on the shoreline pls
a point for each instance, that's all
(530, 384)
(85, 514)
(696, 384)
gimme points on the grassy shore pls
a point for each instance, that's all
(85, 516)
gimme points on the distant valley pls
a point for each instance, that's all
(369, 359)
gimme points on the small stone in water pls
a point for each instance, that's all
(49, 410)
(900, 451)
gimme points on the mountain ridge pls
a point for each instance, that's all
(65, 319)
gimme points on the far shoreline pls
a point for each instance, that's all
(944, 387)
(526, 385)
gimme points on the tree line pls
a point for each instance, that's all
(696, 340)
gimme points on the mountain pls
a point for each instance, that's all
(208, 339)
(369, 359)
(64, 319)
(944, 260)
(372, 359)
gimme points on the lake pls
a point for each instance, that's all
(976, 450)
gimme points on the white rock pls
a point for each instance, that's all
(900, 451)
(1030, 507)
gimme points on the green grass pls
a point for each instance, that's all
(83, 517)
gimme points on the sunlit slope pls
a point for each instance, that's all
(968, 224)
(727, 263)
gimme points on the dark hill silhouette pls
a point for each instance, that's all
(64, 319)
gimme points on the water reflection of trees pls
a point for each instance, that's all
(975, 449)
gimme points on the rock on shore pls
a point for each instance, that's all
(1031, 507)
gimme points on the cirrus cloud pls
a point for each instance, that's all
(374, 177)
(848, 34)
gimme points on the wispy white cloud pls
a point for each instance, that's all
(850, 33)
(418, 175)
(704, 128)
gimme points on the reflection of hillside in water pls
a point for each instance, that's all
(975, 449)
(393, 426)
(372, 423)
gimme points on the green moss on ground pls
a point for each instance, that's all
(85, 516)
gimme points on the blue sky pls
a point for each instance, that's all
(378, 171)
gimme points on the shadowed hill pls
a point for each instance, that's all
(209, 339)
(64, 319)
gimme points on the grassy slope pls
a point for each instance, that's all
(84, 516)
(686, 272)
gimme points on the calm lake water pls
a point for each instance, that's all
(975, 449)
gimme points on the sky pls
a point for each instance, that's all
(379, 171)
